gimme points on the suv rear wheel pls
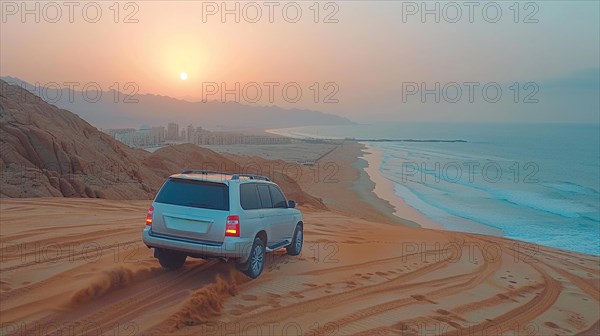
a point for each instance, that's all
(256, 261)
(296, 246)
(170, 260)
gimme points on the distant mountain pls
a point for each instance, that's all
(46, 151)
(132, 111)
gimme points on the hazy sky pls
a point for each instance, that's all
(372, 54)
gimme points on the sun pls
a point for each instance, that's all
(183, 76)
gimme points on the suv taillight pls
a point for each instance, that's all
(149, 215)
(232, 226)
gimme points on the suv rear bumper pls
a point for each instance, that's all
(232, 247)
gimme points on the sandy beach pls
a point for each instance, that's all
(384, 189)
(79, 265)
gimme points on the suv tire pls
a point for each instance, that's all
(171, 260)
(296, 246)
(256, 261)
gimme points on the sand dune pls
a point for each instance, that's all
(79, 265)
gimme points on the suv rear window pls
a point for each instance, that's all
(193, 193)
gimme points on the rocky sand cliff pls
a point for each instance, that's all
(46, 151)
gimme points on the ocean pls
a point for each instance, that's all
(538, 183)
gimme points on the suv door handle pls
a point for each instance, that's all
(261, 215)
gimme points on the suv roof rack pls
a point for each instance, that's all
(233, 176)
(250, 176)
(192, 171)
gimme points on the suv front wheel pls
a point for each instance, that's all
(296, 246)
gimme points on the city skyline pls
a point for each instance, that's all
(157, 136)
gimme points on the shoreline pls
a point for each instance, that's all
(384, 189)
(358, 172)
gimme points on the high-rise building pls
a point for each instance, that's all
(190, 133)
(158, 134)
(173, 131)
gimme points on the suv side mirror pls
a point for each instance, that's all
(291, 204)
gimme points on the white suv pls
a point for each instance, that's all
(208, 214)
